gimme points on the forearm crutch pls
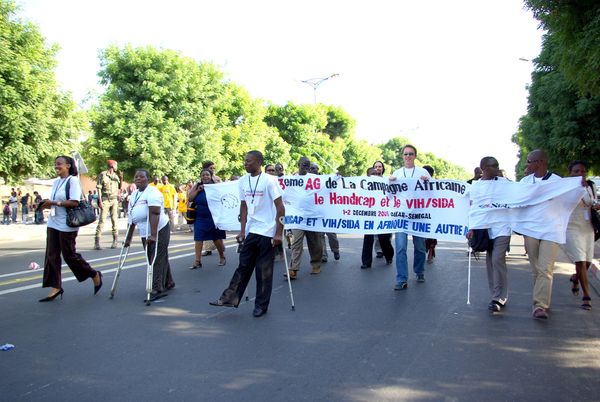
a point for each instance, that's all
(122, 258)
(287, 269)
(150, 267)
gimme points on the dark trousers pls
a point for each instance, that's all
(161, 272)
(385, 240)
(58, 243)
(256, 251)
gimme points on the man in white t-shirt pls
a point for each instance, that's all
(542, 253)
(409, 170)
(260, 211)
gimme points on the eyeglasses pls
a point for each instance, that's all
(409, 154)
(533, 161)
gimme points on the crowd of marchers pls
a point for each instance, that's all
(153, 205)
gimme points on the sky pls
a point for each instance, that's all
(447, 75)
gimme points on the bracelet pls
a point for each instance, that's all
(59, 203)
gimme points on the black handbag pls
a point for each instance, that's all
(190, 213)
(480, 241)
(81, 215)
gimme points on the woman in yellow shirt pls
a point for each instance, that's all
(182, 207)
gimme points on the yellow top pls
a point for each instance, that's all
(182, 202)
(168, 191)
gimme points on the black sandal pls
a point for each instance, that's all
(586, 305)
(575, 285)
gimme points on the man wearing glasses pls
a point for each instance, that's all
(541, 253)
(409, 170)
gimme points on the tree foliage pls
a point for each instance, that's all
(37, 121)
(574, 27)
(559, 119)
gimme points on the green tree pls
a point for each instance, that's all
(574, 27)
(559, 119)
(157, 112)
(358, 157)
(37, 121)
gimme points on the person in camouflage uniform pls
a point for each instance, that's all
(109, 186)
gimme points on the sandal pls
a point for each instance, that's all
(574, 285)
(221, 303)
(586, 305)
(197, 265)
(222, 262)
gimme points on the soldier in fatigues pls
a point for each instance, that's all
(109, 185)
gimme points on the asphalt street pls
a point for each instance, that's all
(350, 338)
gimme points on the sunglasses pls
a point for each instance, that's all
(409, 154)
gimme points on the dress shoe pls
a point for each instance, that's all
(420, 278)
(315, 271)
(336, 255)
(259, 312)
(54, 296)
(292, 274)
(99, 285)
(221, 303)
(379, 254)
(540, 314)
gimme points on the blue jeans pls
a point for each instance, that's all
(6, 220)
(402, 259)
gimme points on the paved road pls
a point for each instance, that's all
(351, 338)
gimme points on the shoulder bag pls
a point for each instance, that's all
(81, 215)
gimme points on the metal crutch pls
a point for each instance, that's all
(150, 267)
(122, 259)
(469, 278)
(287, 268)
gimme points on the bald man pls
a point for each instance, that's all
(542, 253)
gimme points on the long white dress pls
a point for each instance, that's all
(580, 233)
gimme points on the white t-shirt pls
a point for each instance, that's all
(58, 215)
(137, 211)
(260, 193)
(415, 172)
(533, 180)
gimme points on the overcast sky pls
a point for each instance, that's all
(445, 74)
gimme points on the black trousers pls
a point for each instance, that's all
(58, 243)
(385, 240)
(256, 251)
(161, 274)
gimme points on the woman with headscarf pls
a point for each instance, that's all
(204, 226)
(60, 238)
(146, 212)
(580, 236)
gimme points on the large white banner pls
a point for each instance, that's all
(539, 210)
(362, 205)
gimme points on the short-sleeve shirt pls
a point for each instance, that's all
(137, 211)
(58, 219)
(533, 180)
(411, 173)
(260, 192)
(168, 191)
(108, 184)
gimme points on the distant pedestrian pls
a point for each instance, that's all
(430, 243)
(6, 214)
(39, 212)
(14, 204)
(25, 207)
(108, 184)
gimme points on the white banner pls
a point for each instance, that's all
(539, 210)
(362, 205)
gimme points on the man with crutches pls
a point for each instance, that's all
(261, 230)
(146, 211)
